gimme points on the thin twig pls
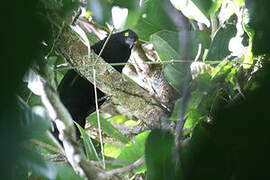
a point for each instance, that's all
(103, 47)
(135, 165)
(98, 119)
(96, 101)
(131, 63)
(29, 96)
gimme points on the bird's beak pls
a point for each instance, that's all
(130, 42)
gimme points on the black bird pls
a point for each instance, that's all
(118, 47)
(77, 93)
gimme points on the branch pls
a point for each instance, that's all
(135, 165)
(66, 130)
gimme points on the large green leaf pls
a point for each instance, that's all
(155, 14)
(219, 47)
(145, 29)
(171, 45)
(166, 44)
(107, 127)
(149, 18)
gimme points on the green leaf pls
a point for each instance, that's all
(156, 15)
(134, 151)
(222, 68)
(193, 116)
(90, 149)
(195, 99)
(131, 5)
(192, 113)
(158, 155)
(112, 150)
(150, 18)
(232, 75)
(219, 47)
(192, 10)
(175, 76)
(168, 46)
(132, 123)
(208, 7)
(145, 29)
(107, 128)
(119, 119)
(215, 6)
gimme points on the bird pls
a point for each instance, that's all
(118, 48)
(77, 93)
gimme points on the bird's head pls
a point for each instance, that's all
(130, 38)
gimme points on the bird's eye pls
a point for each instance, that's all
(126, 34)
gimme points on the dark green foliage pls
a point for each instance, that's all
(242, 131)
(202, 158)
(21, 39)
(259, 23)
(159, 155)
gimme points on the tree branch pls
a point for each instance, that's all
(127, 95)
(135, 165)
(66, 130)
